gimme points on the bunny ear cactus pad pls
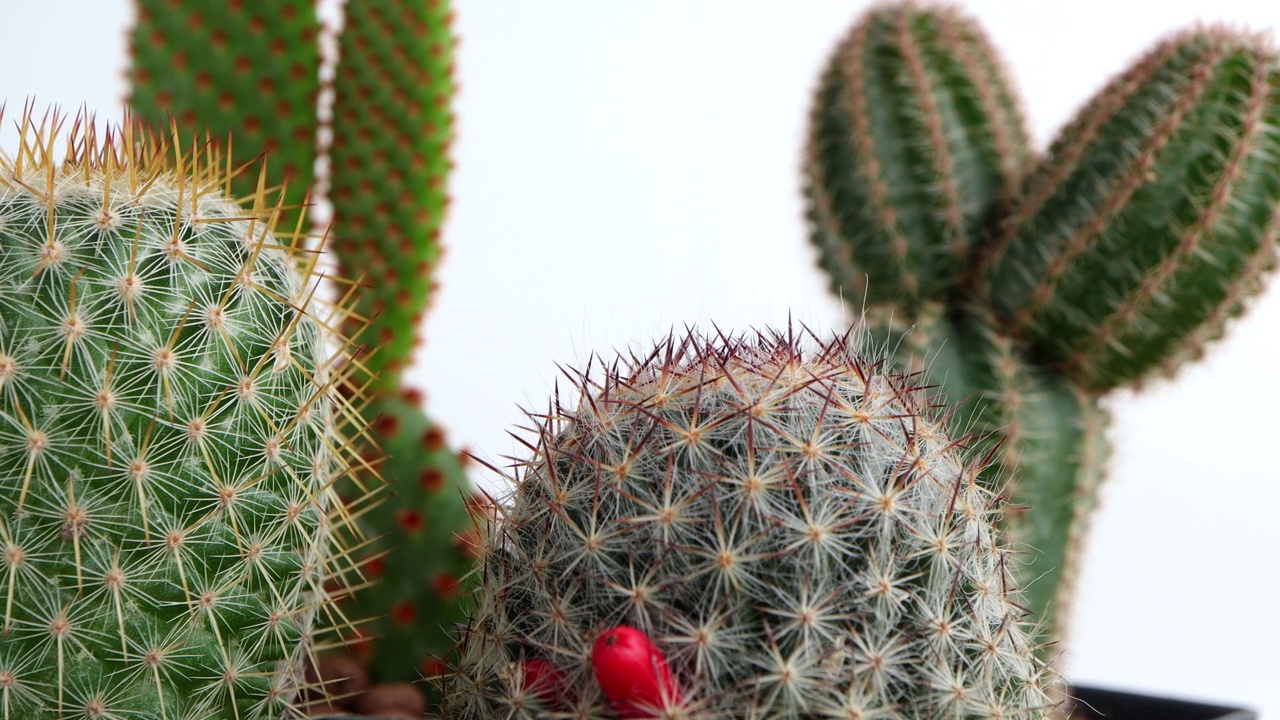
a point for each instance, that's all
(789, 523)
(168, 438)
(423, 580)
(1152, 217)
(392, 128)
(244, 68)
(915, 138)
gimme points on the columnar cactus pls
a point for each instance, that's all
(168, 437)
(789, 524)
(255, 70)
(916, 139)
(1145, 227)
(1152, 216)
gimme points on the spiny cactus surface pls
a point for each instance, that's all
(789, 523)
(392, 128)
(915, 139)
(168, 437)
(244, 69)
(1152, 216)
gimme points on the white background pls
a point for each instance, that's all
(629, 168)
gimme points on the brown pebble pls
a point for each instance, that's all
(341, 677)
(387, 699)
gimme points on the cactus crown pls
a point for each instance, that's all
(795, 530)
(168, 435)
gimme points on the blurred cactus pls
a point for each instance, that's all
(254, 69)
(1146, 226)
(791, 526)
(1152, 216)
(916, 138)
(169, 437)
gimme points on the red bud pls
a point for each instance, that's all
(543, 680)
(633, 673)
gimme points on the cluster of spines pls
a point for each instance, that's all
(387, 160)
(168, 436)
(791, 524)
(1146, 226)
(1164, 187)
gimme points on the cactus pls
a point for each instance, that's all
(1152, 216)
(916, 139)
(388, 139)
(790, 526)
(1145, 227)
(245, 70)
(424, 557)
(169, 436)
(392, 129)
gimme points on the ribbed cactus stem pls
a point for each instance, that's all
(784, 527)
(915, 138)
(1152, 215)
(392, 127)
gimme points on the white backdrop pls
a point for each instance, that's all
(628, 168)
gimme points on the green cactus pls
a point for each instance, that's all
(426, 554)
(392, 128)
(915, 140)
(1045, 439)
(1153, 214)
(1145, 227)
(240, 69)
(387, 164)
(169, 436)
(791, 525)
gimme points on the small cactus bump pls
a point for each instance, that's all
(782, 522)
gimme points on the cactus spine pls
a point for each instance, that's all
(792, 527)
(387, 166)
(168, 437)
(1145, 227)
(916, 138)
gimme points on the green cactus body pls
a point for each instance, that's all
(392, 127)
(1152, 216)
(167, 439)
(795, 531)
(241, 68)
(915, 138)
(1045, 437)
(422, 580)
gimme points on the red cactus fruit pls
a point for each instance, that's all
(543, 680)
(633, 673)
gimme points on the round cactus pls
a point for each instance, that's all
(791, 527)
(168, 438)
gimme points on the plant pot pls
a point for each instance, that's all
(1099, 704)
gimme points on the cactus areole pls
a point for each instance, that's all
(752, 526)
(167, 437)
